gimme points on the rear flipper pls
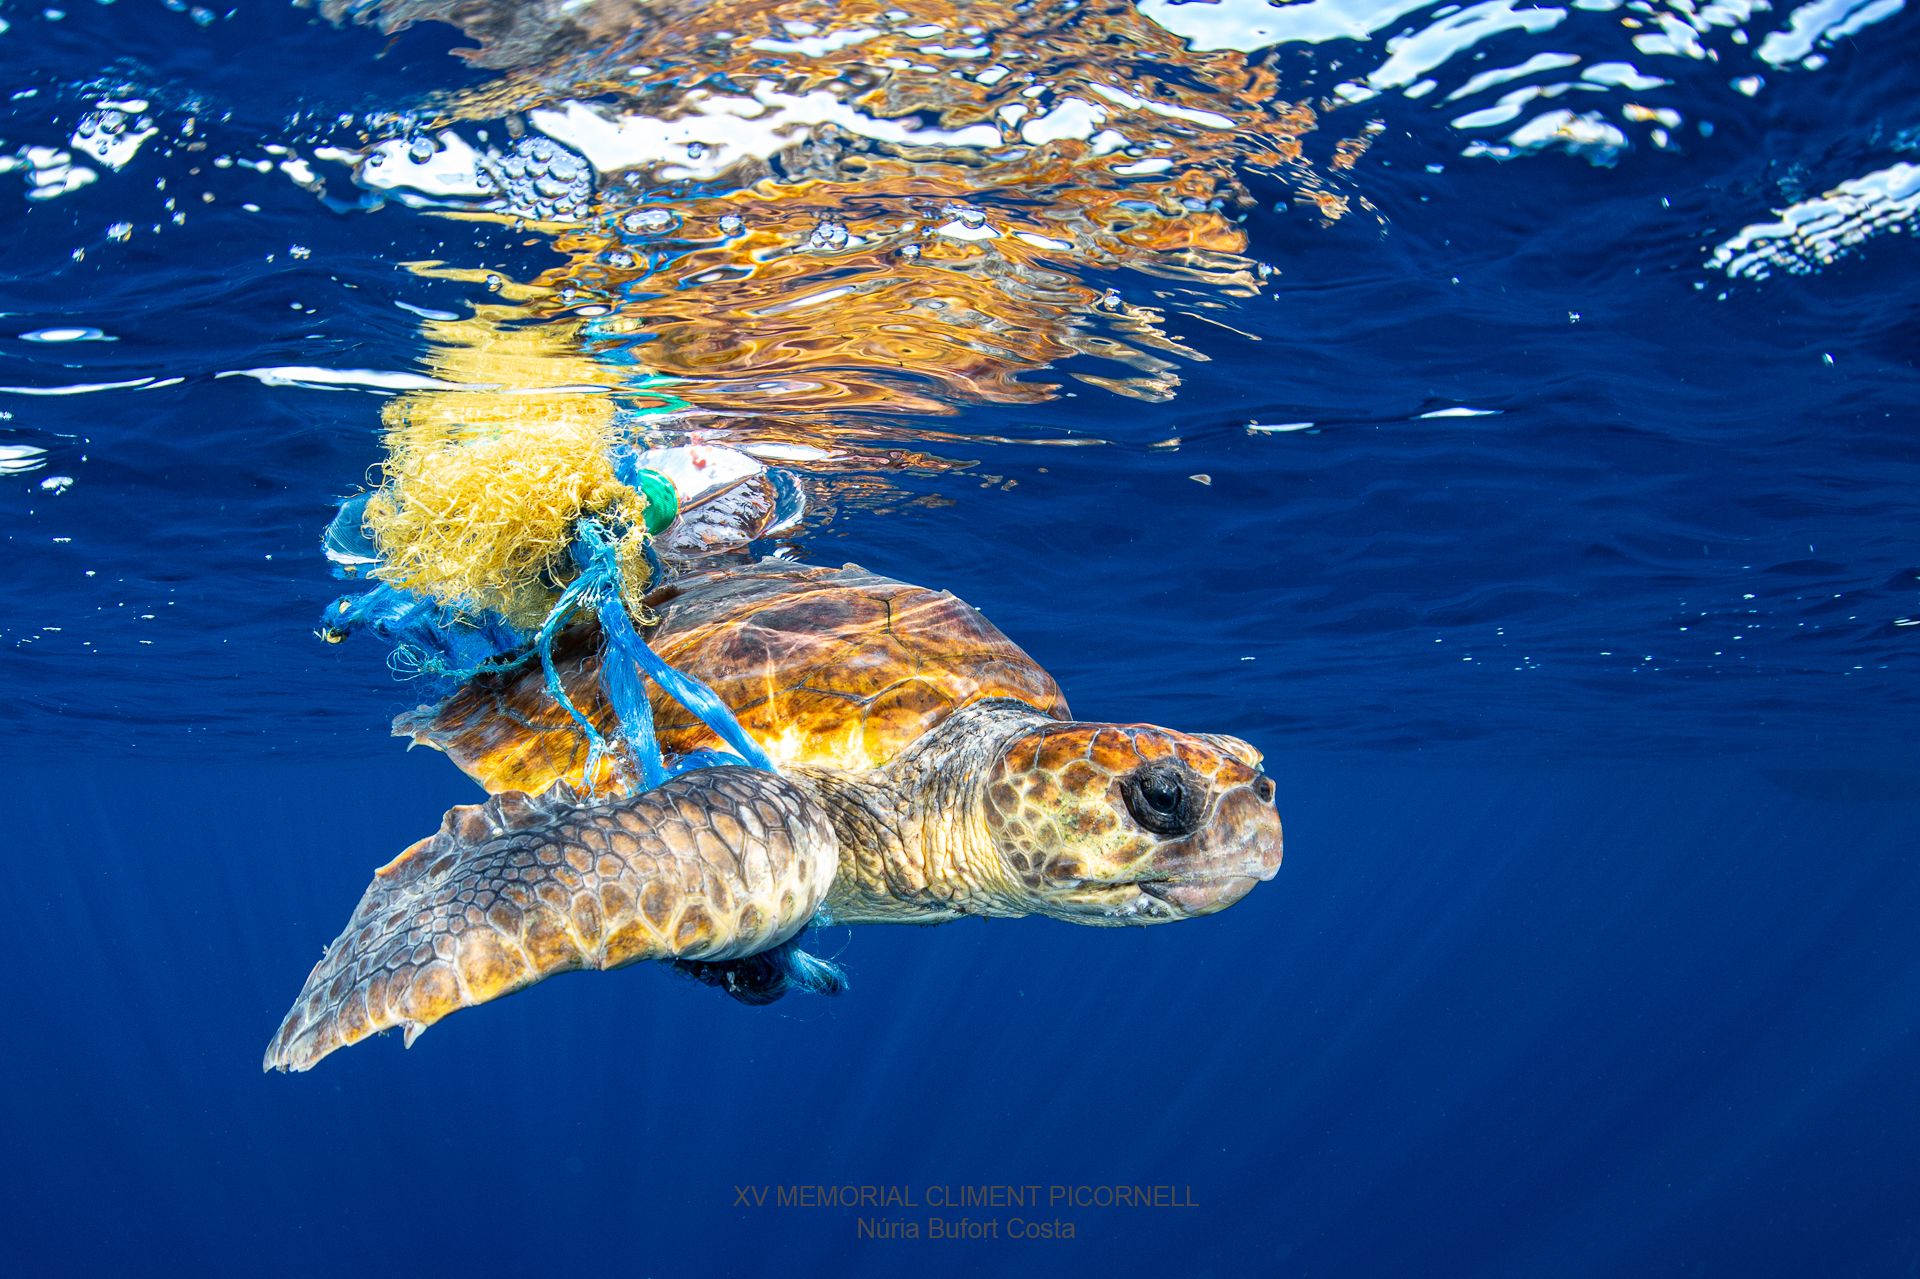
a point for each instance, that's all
(715, 865)
(768, 976)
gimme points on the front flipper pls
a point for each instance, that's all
(714, 865)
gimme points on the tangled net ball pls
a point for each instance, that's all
(486, 522)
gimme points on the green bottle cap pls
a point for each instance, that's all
(663, 500)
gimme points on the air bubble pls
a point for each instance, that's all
(647, 222)
(540, 179)
(829, 234)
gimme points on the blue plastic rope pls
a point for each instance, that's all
(577, 591)
(427, 638)
(599, 558)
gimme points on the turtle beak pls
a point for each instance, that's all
(1240, 847)
(1202, 896)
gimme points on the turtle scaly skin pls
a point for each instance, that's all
(945, 799)
(1003, 811)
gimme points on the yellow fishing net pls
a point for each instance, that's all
(487, 522)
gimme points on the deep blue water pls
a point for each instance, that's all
(1591, 711)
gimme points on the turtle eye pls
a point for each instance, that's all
(1161, 799)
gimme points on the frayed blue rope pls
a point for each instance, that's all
(627, 658)
(427, 638)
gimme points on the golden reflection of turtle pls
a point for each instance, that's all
(810, 213)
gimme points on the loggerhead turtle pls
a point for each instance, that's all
(928, 771)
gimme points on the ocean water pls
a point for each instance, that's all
(1502, 416)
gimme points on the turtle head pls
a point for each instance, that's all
(1131, 824)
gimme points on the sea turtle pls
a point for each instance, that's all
(928, 771)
